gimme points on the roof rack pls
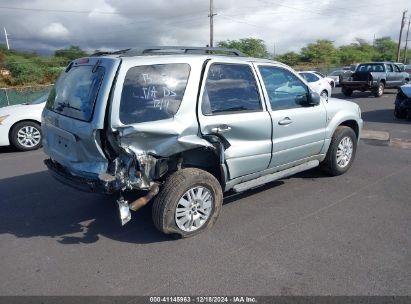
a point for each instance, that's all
(167, 50)
(102, 53)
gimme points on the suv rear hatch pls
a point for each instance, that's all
(74, 116)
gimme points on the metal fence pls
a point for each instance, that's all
(13, 96)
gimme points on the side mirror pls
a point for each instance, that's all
(314, 99)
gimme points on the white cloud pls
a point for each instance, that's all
(115, 24)
(55, 30)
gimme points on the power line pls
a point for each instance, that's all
(57, 10)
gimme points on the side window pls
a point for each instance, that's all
(389, 68)
(397, 69)
(153, 92)
(285, 90)
(230, 88)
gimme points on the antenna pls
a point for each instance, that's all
(7, 38)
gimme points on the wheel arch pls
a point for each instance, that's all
(205, 159)
(353, 124)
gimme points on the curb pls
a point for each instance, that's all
(375, 135)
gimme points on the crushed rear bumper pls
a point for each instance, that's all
(80, 183)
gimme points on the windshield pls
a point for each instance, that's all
(75, 92)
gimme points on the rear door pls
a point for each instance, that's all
(74, 115)
(298, 130)
(232, 107)
(391, 75)
(398, 75)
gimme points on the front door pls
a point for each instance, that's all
(298, 129)
(232, 108)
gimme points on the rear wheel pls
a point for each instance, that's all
(26, 136)
(346, 92)
(380, 90)
(341, 152)
(188, 203)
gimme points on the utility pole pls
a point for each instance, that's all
(399, 39)
(7, 38)
(211, 15)
(406, 41)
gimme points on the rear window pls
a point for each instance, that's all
(153, 92)
(371, 67)
(75, 92)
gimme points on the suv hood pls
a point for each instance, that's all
(406, 89)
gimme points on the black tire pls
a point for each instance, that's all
(330, 162)
(31, 144)
(380, 90)
(176, 186)
(400, 114)
(346, 92)
(332, 84)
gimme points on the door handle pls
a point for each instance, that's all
(221, 129)
(285, 121)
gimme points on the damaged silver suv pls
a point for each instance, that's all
(187, 124)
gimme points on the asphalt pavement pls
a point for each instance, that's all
(309, 234)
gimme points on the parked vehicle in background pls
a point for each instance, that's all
(185, 125)
(335, 76)
(318, 84)
(20, 125)
(407, 69)
(403, 102)
(374, 77)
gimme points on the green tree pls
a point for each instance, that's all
(250, 46)
(71, 53)
(356, 52)
(320, 52)
(385, 49)
(289, 58)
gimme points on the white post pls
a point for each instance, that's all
(7, 38)
(7, 97)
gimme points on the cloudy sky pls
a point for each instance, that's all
(41, 25)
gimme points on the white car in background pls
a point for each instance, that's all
(20, 125)
(319, 84)
(329, 79)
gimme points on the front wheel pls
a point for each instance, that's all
(26, 136)
(346, 92)
(380, 90)
(188, 203)
(341, 152)
(400, 113)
